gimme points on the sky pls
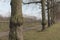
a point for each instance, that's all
(30, 10)
(5, 8)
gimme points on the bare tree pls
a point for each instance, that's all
(16, 20)
(49, 16)
(43, 2)
(52, 12)
(43, 14)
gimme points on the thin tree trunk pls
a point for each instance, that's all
(52, 12)
(16, 21)
(43, 14)
(54, 16)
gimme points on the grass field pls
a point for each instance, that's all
(52, 33)
(4, 26)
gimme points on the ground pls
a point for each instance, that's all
(51, 33)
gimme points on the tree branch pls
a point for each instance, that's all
(32, 2)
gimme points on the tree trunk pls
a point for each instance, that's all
(43, 14)
(16, 21)
(53, 12)
(54, 16)
(49, 17)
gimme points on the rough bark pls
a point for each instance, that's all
(53, 12)
(43, 14)
(49, 17)
(16, 21)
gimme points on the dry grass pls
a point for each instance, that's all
(4, 27)
(52, 33)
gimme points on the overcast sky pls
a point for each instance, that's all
(31, 10)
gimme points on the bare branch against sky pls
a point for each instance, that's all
(31, 10)
(26, 1)
(27, 9)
